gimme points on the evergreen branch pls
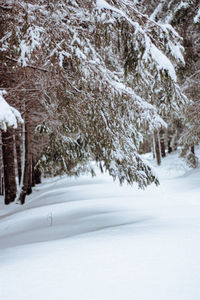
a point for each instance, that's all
(29, 66)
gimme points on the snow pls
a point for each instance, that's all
(101, 4)
(29, 44)
(162, 61)
(181, 5)
(197, 17)
(89, 238)
(175, 48)
(156, 11)
(9, 116)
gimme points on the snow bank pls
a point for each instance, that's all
(89, 238)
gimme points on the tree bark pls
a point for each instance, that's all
(157, 148)
(1, 185)
(169, 146)
(38, 175)
(192, 149)
(18, 141)
(33, 172)
(1, 169)
(162, 142)
(26, 186)
(29, 188)
(9, 166)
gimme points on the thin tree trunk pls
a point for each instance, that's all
(38, 175)
(169, 146)
(33, 172)
(1, 185)
(153, 147)
(162, 142)
(9, 166)
(157, 148)
(27, 165)
(29, 188)
(192, 149)
(1, 169)
(19, 154)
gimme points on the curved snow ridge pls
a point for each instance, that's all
(65, 220)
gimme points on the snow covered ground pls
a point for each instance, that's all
(91, 239)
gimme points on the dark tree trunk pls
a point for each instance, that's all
(38, 175)
(18, 141)
(29, 188)
(9, 166)
(162, 142)
(192, 149)
(1, 185)
(157, 148)
(169, 146)
(26, 182)
(1, 169)
(33, 172)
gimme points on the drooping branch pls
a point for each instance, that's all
(28, 66)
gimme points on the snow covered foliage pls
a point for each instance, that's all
(9, 116)
(183, 16)
(108, 74)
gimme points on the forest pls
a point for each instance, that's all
(99, 149)
(103, 81)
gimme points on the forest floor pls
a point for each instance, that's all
(91, 239)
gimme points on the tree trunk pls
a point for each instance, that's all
(192, 149)
(169, 146)
(18, 141)
(38, 175)
(1, 169)
(33, 172)
(9, 166)
(26, 187)
(162, 142)
(157, 147)
(1, 184)
(29, 188)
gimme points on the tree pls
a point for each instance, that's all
(184, 17)
(105, 74)
(9, 117)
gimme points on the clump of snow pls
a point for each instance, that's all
(30, 42)
(161, 60)
(176, 49)
(197, 17)
(9, 116)
(103, 4)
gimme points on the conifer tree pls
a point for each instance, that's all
(105, 74)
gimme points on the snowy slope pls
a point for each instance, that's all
(91, 239)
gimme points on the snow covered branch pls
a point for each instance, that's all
(9, 116)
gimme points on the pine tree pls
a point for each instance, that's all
(184, 17)
(105, 74)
